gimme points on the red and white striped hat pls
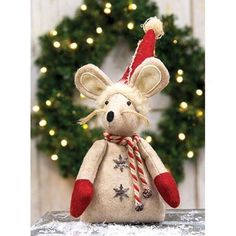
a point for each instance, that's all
(153, 29)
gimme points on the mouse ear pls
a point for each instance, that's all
(150, 77)
(91, 81)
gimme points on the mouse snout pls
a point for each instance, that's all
(110, 116)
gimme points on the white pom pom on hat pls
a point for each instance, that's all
(153, 29)
(155, 24)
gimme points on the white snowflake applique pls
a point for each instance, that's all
(121, 163)
(121, 192)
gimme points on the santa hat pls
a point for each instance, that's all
(153, 29)
(95, 84)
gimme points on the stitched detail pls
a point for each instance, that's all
(121, 192)
(121, 163)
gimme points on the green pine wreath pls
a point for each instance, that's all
(87, 38)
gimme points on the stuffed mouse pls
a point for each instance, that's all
(122, 179)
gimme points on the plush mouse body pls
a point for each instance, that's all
(109, 202)
(122, 179)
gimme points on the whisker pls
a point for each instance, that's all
(146, 120)
(90, 116)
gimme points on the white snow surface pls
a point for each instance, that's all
(187, 222)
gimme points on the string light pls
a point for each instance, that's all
(83, 7)
(108, 5)
(85, 126)
(130, 25)
(36, 108)
(199, 113)
(54, 157)
(199, 92)
(132, 6)
(53, 32)
(42, 123)
(43, 70)
(73, 45)
(190, 154)
(180, 72)
(51, 132)
(89, 40)
(183, 105)
(56, 44)
(149, 139)
(179, 79)
(64, 142)
(48, 103)
(81, 95)
(99, 30)
(181, 136)
(107, 10)
(175, 41)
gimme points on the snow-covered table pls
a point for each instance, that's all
(178, 222)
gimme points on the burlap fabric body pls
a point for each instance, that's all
(101, 168)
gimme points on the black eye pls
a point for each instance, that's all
(106, 102)
(129, 103)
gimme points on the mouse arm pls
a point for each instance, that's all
(83, 188)
(163, 179)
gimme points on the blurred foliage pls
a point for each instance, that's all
(178, 49)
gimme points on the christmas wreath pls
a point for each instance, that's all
(87, 38)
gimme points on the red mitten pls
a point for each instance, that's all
(81, 197)
(167, 187)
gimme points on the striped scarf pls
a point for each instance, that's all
(135, 166)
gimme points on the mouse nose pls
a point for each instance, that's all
(110, 116)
